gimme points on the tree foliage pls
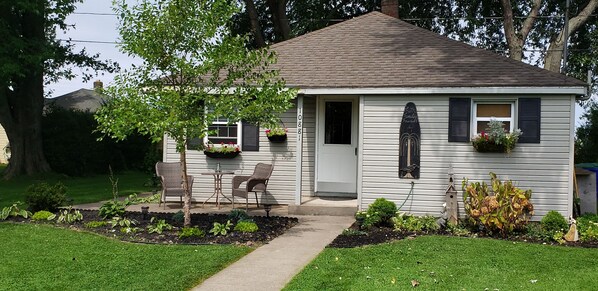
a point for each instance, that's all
(194, 70)
(482, 23)
(31, 56)
(586, 142)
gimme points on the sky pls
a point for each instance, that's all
(96, 30)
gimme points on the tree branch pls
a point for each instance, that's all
(531, 18)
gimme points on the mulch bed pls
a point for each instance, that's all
(378, 235)
(269, 228)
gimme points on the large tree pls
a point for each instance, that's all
(586, 139)
(194, 71)
(30, 56)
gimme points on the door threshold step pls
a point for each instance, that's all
(322, 210)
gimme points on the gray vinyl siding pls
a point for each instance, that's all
(543, 167)
(281, 187)
(309, 146)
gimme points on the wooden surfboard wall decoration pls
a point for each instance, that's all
(409, 143)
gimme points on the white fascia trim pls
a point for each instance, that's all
(446, 90)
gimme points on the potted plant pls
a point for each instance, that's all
(222, 151)
(496, 140)
(277, 135)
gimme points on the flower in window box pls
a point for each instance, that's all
(496, 139)
(223, 150)
(277, 134)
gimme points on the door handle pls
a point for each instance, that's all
(355, 150)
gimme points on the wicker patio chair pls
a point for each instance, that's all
(258, 182)
(172, 182)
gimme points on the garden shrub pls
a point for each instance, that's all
(554, 221)
(71, 145)
(191, 232)
(405, 222)
(507, 210)
(42, 196)
(238, 215)
(587, 226)
(178, 217)
(378, 213)
(42, 215)
(246, 226)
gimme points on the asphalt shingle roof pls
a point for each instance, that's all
(377, 51)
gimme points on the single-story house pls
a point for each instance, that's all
(383, 103)
(83, 99)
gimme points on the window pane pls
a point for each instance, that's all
(483, 126)
(222, 131)
(232, 131)
(338, 123)
(493, 110)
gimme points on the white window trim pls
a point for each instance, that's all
(475, 119)
(239, 133)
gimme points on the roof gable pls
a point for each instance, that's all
(379, 51)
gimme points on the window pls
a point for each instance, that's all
(222, 132)
(484, 112)
(460, 116)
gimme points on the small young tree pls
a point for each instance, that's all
(194, 70)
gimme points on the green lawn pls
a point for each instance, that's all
(80, 189)
(451, 263)
(41, 257)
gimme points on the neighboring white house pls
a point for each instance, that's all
(3, 146)
(355, 79)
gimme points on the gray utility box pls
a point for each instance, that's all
(586, 182)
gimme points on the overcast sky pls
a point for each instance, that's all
(95, 30)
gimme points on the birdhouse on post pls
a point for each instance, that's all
(452, 207)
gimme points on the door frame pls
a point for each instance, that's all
(355, 134)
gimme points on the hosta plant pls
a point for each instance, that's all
(158, 226)
(499, 207)
(68, 216)
(221, 228)
(13, 211)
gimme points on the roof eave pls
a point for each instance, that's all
(563, 90)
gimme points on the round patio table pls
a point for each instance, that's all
(217, 185)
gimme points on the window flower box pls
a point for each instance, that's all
(223, 151)
(277, 135)
(497, 140)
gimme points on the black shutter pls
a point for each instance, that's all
(251, 137)
(459, 117)
(528, 119)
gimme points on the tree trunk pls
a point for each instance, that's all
(554, 55)
(278, 9)
(187, 196)
(21, 106)
(256, 28)
(516, 39)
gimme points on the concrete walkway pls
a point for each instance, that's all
(272, 266)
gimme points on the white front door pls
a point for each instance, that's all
(336, 166)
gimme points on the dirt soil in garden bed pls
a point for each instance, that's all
(269, 228)
(378, 235)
